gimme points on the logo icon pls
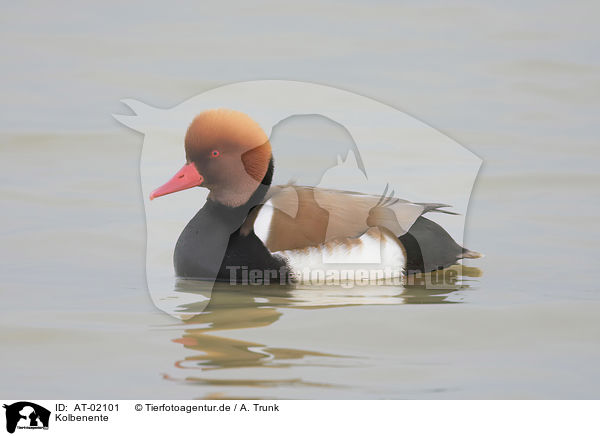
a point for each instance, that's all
(322, 170)
(26, 415)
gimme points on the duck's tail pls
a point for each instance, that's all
(470, 254)
(429, 248)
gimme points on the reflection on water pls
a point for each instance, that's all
(235, 307)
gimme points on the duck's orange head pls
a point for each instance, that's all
(226, 152)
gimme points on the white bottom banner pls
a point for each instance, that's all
(23, 417)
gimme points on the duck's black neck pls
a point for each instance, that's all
(268, 178)
(211, 241)
(262, 189)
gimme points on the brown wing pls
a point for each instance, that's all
(303, 216)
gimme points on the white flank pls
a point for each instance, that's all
(262, 223)
(349, 259)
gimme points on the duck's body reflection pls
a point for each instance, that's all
(243, 307)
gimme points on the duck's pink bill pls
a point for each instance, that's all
(187, 177)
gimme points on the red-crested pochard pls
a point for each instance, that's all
(248, 229)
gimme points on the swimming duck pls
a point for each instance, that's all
(250, 230)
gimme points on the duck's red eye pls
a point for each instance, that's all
(215, 153)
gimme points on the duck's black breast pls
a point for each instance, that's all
(212, 246)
